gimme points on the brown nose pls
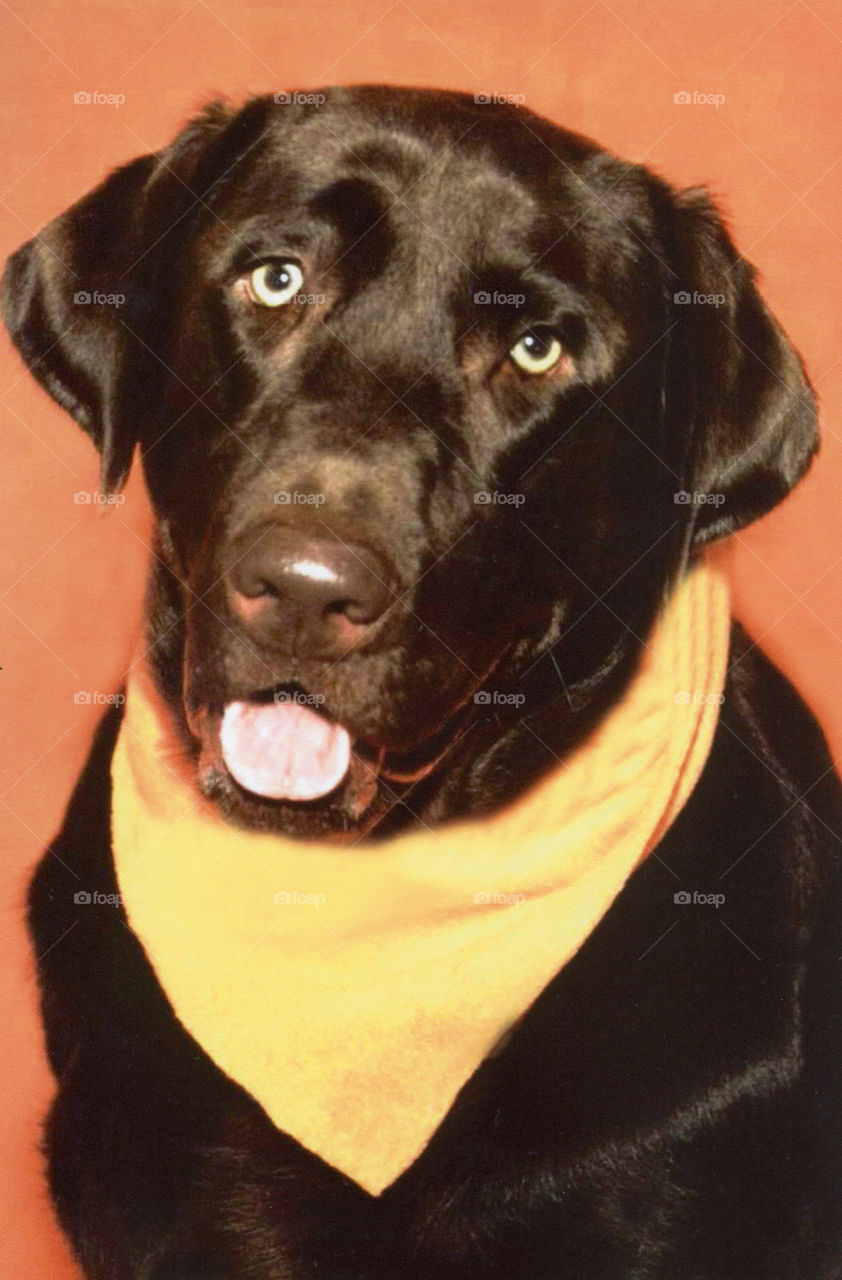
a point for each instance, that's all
(304, 592)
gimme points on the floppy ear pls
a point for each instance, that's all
(84, 300)
(754, 411)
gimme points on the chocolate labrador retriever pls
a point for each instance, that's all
(435, 400)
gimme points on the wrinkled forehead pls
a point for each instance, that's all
(487, 191)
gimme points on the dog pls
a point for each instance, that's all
(437, 402)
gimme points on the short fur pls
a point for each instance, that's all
(671, 1107)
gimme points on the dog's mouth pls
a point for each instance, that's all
(282, 750)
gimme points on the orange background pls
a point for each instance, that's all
(72, 576)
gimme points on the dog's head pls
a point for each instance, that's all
(434, 400)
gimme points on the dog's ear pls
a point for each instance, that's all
(83, 299)
(753, 410)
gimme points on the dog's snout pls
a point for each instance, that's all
(298, 589)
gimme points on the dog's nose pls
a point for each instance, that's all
(305, 591)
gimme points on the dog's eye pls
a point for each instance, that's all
(537, 351)
(273, 284)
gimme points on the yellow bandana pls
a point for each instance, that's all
(354, 991)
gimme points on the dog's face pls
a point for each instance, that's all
(416, 386)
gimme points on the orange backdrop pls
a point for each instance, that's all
(72, 576)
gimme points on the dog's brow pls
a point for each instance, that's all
(352, 204)
(398, 158)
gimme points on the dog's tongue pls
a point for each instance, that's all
(283, 751)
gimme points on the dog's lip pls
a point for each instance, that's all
(416, 762)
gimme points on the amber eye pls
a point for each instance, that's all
(274, 284)
(537, 351)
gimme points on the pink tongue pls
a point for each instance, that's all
(283, 751)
